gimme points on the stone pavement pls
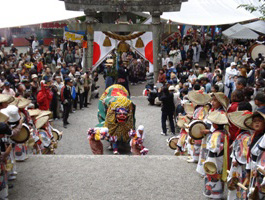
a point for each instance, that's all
(75, 141)
(74, 137)
(106, 178)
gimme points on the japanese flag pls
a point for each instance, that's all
(99, 51)
(147, 51)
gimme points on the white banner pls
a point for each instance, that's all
(73, 37)
(99, 51)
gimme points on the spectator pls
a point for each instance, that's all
(66, 99)
(8, 90)
(168, 108)
(35, 44)
(161, 76)
(44, 97)
(260, 101)
(219, 82)
(192, 76)
(214, 88)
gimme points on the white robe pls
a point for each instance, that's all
(229, 72)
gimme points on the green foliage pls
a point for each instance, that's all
(251, 8)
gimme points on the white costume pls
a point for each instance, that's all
(229, 72)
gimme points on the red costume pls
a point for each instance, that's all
(39, 67)
(44, 98)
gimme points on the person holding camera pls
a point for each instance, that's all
(79, 88)
(66, 98)
(44, 97)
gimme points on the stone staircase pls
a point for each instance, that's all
(106, 177)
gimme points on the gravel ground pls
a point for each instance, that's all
(106, 178)
(74, 137)
(75, 141)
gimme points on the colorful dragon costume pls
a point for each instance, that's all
(116, 112)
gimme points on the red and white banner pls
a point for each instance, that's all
(147, 51)
(99, 51)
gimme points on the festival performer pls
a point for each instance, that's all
(34, 143)
(256, 156)
(136, 143)
(219, 103)
(5, 130)
(181, 144)
(116, 112)
(200, 99)
(216, 163)
(21, 150)
(15, 121)
(46, 142)
(94, 138)
(238, 173)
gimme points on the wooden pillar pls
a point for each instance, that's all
(90, 20)
(157, 57)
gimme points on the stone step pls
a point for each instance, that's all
(106, 177)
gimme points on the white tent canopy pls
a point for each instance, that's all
(27, 12)
(258, 26)
(212, 12)
(194, 12)
(239, 31)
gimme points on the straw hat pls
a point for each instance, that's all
(12, 112)
(3, 117)
(41, 121)
(34, 112)
(182, 120)
(189, 108)
(44, 113)
(238, 118)
(198, 97)
(21, 102)
(222, 98)
(248, 121)
(6, 98)
(218, 117)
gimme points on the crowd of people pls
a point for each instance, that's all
(52, 78)
(37, 87)
(218, 111)
(230, 86)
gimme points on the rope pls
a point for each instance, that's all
(123, 37)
